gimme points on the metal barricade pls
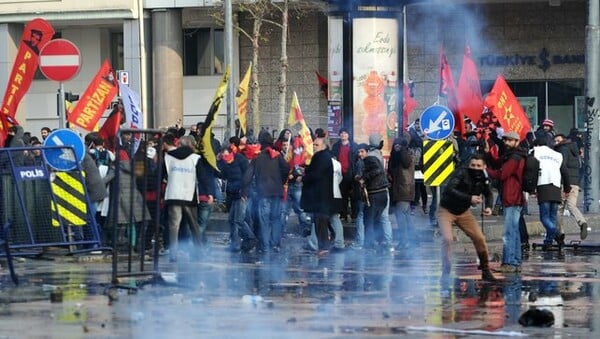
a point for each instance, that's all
(135, 204)
(45, 207)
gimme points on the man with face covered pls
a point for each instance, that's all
(463, 190)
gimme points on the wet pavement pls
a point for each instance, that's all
(297, 294)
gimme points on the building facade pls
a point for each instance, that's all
(175, 54)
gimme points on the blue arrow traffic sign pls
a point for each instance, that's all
(437, 122)
(64, 158)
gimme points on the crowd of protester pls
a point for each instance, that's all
(260, 180)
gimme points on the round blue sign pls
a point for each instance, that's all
(437, 122)
(64, 158)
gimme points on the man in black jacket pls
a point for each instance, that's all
(570, 153)
(318, 192)
(463, 190)
(268, 171)
(374, 179)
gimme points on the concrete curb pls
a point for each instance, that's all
(494, 231)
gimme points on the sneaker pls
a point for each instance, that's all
(560, 239)
(322, 253)
(506, 268)
(276, 249)
(356, 246)
(487, 275)
(583, 230)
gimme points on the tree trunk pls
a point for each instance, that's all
(254, 100)
(284, 67)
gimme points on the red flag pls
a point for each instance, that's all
(448, 90)
(296, 117)
(323, 84)
(468, 92)
(409, 105)
(507, 109)
(100, 92)
(36, 35)
(111, 126)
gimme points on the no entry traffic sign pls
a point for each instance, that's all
(60, 60)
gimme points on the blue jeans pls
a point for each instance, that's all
(204, 212)
(269, 219)
(548, 217)
(359, 239)
(405, 226)
(293, 202)
(238, 228)
(338, 229)
(384, 222)
(511, 238)
(377, 219)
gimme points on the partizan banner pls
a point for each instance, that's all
(96, 98)
(37, 34)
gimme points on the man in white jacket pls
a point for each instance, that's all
(553, 172)
(186, 181)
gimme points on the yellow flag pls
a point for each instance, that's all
(296, 117)
(241, 99)
(206, 146)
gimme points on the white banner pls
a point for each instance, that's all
(133, 112)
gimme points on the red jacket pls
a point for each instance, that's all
(511, 176)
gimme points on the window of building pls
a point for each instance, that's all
(203, 51)
(117, 58)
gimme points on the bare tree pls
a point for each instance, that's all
(261, 12)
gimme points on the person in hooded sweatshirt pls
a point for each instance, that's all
(185, 176)
(571, 158)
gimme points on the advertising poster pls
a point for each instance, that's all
(336, 59)
(375, 63)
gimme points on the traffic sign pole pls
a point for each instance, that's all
(62, 116)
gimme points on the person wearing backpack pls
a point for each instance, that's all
(510, 174)
(553, 172)
(570, 153)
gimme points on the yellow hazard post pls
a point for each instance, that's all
(438, 161)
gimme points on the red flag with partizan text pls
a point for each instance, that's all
(507, 109)
(96, 98)
(38, 32)
(468, 92)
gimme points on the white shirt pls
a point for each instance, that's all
(550, 162)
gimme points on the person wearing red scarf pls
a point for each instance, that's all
(268, 171)
(233, 167)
